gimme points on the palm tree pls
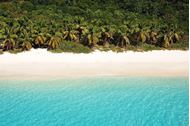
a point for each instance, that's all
(26, 45)
(153, 37)
(126, 40)
(79, 32)
(120, 39)
(134, 38)
(54, 41)
(8, 44)
(165, 42)
(117, 38)
(105, 37)
(142, 37)
(9, 40)
(90, 39)
(69, 35)
(173, 37)
(40, 40)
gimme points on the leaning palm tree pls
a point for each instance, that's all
(176, 37)
(26, 45)
(79, 30)
(153, 37)
(90, 39)
(105, 37)
(142, 37)
(54, 40)
(166, 41)
(26, 42)
(54, 43)
(173, 37)
(40, 40)
(120, 39)
(69, 35)
(8, 40)
(8, 44)
(125, 40)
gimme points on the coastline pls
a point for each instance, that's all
(41, 64)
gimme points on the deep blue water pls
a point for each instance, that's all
(108, 101)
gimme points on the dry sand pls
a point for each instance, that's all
(43, 64)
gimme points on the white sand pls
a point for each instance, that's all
(43, 64)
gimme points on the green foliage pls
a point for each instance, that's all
(111, 24)
(68, 46)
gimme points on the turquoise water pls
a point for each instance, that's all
(108, 101)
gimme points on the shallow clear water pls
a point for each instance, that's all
(109, 101)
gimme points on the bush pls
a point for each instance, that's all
(68, 46)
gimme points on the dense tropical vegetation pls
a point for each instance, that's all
(85, 25)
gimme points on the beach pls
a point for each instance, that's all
(100, 88)
(39, 63)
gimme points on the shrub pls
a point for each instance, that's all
(68, 46)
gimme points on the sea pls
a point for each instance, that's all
(95, 101)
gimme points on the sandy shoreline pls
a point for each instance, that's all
(43, 64)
